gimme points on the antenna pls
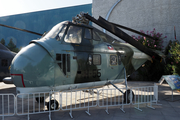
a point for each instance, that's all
(175, 32)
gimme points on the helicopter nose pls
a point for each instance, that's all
(32, 67)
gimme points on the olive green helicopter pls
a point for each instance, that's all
(76, 55)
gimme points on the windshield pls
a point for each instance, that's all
(74, 35)
(55, 30)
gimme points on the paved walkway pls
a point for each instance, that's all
(169, 110)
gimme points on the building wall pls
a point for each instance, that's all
(145, 15)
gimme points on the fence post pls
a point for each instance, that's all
(28, 108)
(156, 93)
(70, 113)
(131, 96)
(107, 103)
(151, 96)
(3, 106)
(60, 100)
(88, 104)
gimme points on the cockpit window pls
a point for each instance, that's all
(87, 34)
(55, 30)
(74, 35)
(61, 33)
(95, 36)
(105, 37)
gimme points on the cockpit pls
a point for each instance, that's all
(75, 34)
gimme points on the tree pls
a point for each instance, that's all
(151, 70)
(11, 46)
(172, 66)
(2, 41)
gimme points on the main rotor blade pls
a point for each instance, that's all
(119, 33)
(132, 30)
(21, 29)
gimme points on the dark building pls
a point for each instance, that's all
(39, 22)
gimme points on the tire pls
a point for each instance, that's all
(128, 99)
(53, 105)
(41, 100)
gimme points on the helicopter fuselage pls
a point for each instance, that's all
(73, 56)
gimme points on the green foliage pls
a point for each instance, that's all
(155, 43)
(172, 66)
(11, 46)
(151, 70)
(2, 41)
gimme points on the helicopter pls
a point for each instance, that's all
(6, 57)
(76, 55)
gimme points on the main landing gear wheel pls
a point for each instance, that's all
(40, 99)
(129, 96)
(52, 105)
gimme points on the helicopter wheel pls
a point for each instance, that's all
(52, 105)
(129, 96)
(40, 99)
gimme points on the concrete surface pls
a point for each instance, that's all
(169, 110)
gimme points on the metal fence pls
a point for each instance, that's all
(35, 103)
(47, 102)
(110, 97)
(78, 99)
(7, 105)
(145, 95)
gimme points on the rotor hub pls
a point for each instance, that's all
(80, 19)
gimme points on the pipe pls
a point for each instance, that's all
(110, 11)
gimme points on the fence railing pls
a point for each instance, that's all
(144, 95)
(47, 102)
(35, 103)
(110, 97)
(78, 99)
(7, 105)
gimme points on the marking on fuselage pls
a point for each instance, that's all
(21, 78)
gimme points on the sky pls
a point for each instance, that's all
(12, 7)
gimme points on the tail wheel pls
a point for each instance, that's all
(52, 105)
(128, 97)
